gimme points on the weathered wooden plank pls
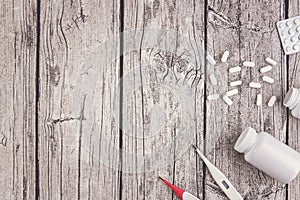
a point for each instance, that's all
(17, 105)
(247, 30)
(293, 123)
(154, 111)
(69, 154)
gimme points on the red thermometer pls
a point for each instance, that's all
(182, 194)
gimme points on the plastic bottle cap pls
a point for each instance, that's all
(246, 140)
(290, 99)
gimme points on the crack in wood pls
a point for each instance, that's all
(168, 63)
(62, 120)
(77, 21)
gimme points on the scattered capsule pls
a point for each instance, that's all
(213, 97)
(232, 92)
(270, 61)
(235, 69)
(227, 100)
(248, 64)
(210, 59)
(268, 79)
(272, 101)
(213, 79)
(259, 100)
(266, 69)
(235, 83)
(225, 56)
(255, 85)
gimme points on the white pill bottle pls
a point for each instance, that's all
(269, 155)
(292, 101)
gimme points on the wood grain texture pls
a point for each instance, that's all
(247, 29)
(293, 123)
(69, 166)
(150, 100)
(17, 105)
(73, 52)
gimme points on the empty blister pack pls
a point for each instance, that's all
(289, 32)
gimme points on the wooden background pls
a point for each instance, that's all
(42, 46)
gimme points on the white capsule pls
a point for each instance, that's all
(294, 39)
(235, 83)
(286, 41)
(235, 69)
(227, 100)
(280, 25)
(248, 64)
(232, 92)
(291, 31)
(296, 47)
(213, 79)
(255, 85)
(225, 56)
(272, 101)
(259, 100)
(266, 69)
(268, 79)
(297, 21)
(210, 59)
(270, 61)
(213, 97)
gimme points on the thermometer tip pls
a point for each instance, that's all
(160, 178)
(177, 190)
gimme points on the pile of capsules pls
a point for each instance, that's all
(228, 94)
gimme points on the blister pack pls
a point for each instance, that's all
(289, 32)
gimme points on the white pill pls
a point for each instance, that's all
(213, 79)
(297, 21)
(227, 100)
(266, 69)
(255, 85)
(210, 59)
(288, 23)
(235, 83)
(259, 100)
(225, 56)
(232, 92)
(291, 31)
(235, 69)
(213, 97)
(280, 25)
(248, 64)
(294, 39)
(286, 41)
(268, 79)
(296, 47)
(270, 61)
(272, 101)
(284, 33)
(298, 29)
